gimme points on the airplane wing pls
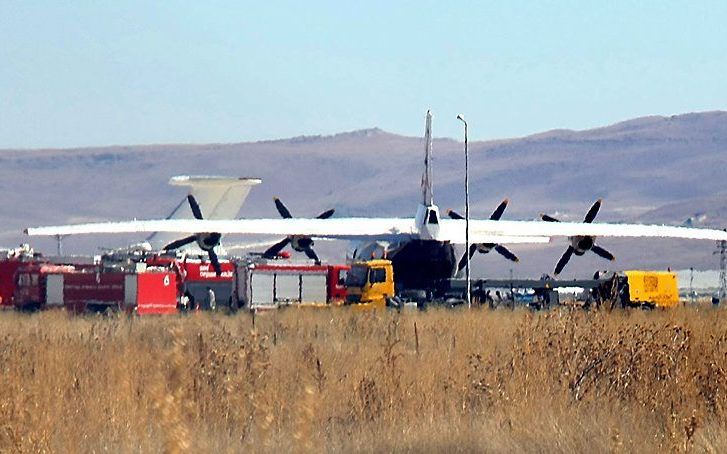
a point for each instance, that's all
(453, 230)
(481, 231)
(336, 228)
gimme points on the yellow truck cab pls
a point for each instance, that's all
(370, 284)
(652, 288)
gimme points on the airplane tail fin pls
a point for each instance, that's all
(219, 198)
(427, 217)
(427, 196)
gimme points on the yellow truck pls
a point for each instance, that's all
(370, 284)
(652, 288)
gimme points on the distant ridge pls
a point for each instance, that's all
(663, 169)
(694, 124)
(356, 134)
(689, 124)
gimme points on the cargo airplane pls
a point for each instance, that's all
(421, 248)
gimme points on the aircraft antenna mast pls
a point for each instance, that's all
(466, 214)
(722, 250)
(427, 196)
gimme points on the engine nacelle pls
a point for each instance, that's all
(485, 248)
(582, 244)
(208, 241)
(301, 243)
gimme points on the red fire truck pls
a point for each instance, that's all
(272, 285)
(80, 289)
(195, 277)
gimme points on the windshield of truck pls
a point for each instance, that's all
(356, 276)
(378, 275)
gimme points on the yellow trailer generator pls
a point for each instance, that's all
(652, 288)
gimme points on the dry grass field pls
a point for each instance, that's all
(337, 380)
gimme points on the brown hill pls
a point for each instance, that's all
(651, 169)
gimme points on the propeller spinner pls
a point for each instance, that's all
(207, 241)
(580, 244)
(299, 243)
(484, 248)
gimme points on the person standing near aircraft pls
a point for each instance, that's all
(211, 299)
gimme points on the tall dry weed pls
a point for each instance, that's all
(306, 380)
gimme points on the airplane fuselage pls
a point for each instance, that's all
(418, 263)
(422, 260)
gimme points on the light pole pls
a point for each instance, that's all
(466, 212)
(59, 239)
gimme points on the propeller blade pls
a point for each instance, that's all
(563, 260)
(591, 215)
(312, 255)
(275, 249)
(603, 253)
(463, 260)
(194, 206)
(505, 252)
(326, 214)
(282, 209)
(180, 243)
(215, 261)
(548, 218)
(497, 214)
(454, 215)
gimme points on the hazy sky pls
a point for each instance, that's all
(101, 73)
